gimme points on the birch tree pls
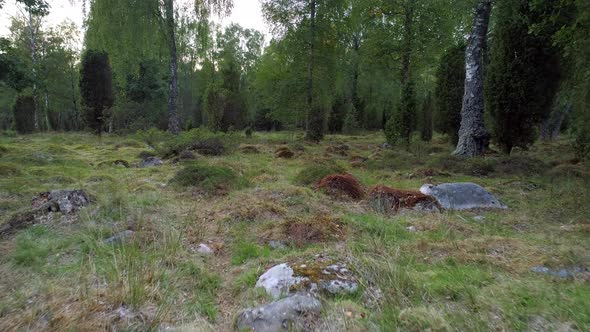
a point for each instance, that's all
(473, 137)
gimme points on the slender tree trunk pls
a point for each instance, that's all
(315, 119)
(46, 111)
(34, 70)
(473, 137)
(74, 101)
(407, 48)
(173, 121)
(406, 115)
(356, 101)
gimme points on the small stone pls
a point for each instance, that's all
(205, 249)
(119, 238)
(479, 218)
(273, 244)
(150, 162)
(412, 229)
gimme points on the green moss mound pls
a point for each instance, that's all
(209, 178)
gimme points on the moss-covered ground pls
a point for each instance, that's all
(464, 271)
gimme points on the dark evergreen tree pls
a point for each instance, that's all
(425, 118)
(522, 78)
(400, 125)
(146, 97)
(96, 88)
(24, 114)
(450, 86)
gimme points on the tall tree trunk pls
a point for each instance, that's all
(173, 121)
(407, 47)
(315, 119)
(405, 115)
(33, 43)
(74, 101)
(473, 137)
(46, 110)
(356, 101)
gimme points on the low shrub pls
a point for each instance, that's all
(208, 178)
(311, 175)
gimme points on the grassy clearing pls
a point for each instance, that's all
(448, 271)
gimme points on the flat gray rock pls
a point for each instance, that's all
(294, 313)
(150, 162)
(560, 273)
(462, 196)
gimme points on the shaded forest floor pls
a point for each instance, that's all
(417, 271)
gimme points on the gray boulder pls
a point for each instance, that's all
(150, 162)
(462, 196)
(294, 313)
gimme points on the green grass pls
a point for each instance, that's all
(245, 251)
(455, 271)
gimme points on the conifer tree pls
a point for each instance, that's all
(96, 88)
(522, 78)
(450, 86)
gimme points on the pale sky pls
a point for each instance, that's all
(247, 13)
